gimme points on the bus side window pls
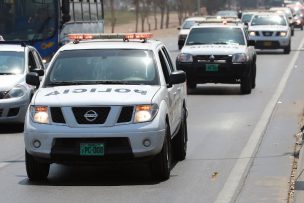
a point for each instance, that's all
(31, 62)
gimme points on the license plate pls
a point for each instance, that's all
(212, 67)
(267, 44)
(91, 149)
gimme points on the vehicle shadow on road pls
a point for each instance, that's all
(114, 175)
(216, 90)
(11, 128)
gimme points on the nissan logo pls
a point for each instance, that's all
(211, 58)
(90, 116)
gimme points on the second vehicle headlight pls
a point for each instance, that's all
(40, 114)
(239, 58)
(17, 91)
(185, 58)
(145, 113)
(283, 34)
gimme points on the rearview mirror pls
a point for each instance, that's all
(39, 71)
(177, 77)
(32, 79)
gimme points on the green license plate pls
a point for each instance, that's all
(91, 149)
(212, 67)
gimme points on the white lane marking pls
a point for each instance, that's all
(241, 168)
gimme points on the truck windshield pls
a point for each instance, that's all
(114, 66)
(268, 20)
(28, 20)
(11, 63)
(216, 35)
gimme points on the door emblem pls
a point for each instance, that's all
(90, 115)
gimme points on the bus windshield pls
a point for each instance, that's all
(28, 20)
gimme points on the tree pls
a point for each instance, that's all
(113, 18)
(136, 3)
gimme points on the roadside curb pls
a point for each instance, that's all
(299, 178)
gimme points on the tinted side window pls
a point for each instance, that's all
(38, 60)
(31, 61)
(172, 67)
(164, 66)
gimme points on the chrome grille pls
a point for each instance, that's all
(267, 33)
(215, 58)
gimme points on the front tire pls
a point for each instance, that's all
(161, 164)
(253, 76)
(36, 171)
(180, 141)
(246, 85)
(287, 49)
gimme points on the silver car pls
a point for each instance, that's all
(15, 95)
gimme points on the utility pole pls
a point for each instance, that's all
(199, 7)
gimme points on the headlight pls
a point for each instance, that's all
(283, 34)
(239, 58)
(298, 22)
(145, 113)
(17, 91)
(185, 58)
(252, 33)
(40, 114)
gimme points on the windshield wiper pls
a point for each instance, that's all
(219, 43)
(65, 83)
(196, 43)
(116, 82)
(8, 74)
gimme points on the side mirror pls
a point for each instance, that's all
(179, 28)
(39, 71)
(240, 14)
(246, 24)
(251, 43)
(32, 79)
(177, 77)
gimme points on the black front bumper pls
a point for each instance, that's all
(227, 73)
(268, 45)
(116, 150)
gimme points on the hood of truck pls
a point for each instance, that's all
(214, 49)
(10, 81)
(95, 95)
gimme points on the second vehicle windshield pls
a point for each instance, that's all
(216, 35)
(268, 20)
(114, 66)
(11, 63)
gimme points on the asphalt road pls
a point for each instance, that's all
(240, 147)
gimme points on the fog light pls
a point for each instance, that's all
(147, 143)
(37, 143)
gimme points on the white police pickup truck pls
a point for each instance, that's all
(112, 100)
(219, 52)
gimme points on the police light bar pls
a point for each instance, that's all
(124, 36)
